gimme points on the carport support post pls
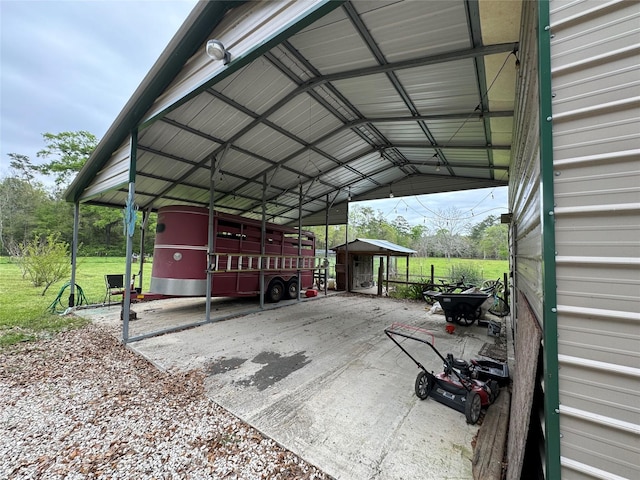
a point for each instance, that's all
(347, 283)
(263, 234)
(74, 253)
(407, 269)
(130, 219)
(299, 272)
(210, 239)
(326, 246)
(388, 268)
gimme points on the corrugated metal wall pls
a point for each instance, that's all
(526, 256)
(595, 80)
(596, 96)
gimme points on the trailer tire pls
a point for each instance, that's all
(472, 407)
(275, 291)
(424, 385)
(292, 288)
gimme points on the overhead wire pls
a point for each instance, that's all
(478, 107)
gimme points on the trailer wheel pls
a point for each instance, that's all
(424, 385)
(472, 407)
(292, 288)
(275, 291)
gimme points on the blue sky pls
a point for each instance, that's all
(72, 65)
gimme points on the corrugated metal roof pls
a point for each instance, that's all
(336, 96)
(374, 245)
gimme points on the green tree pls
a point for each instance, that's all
(19, 204)
(66, 153)
(402, 231)
(22, 167)
(27, 208)
(107, 222)
(479, 228)
(495, 242)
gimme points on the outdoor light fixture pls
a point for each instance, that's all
(390, 192)
(215, 50)
(437, 157)
(349, 195)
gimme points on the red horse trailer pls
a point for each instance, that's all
(180, 256)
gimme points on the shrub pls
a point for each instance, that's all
(472, 273)
(43, 260)
(412, 291)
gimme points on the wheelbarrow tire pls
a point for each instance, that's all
(466, 315)
(424, 385)
(472, 407)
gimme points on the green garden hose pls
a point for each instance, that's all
(81, 298)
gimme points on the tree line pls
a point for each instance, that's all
(32, 204)
(32, 207)
(447, 234)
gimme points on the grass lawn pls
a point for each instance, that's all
(23, 309)
(24, 315)
(452, 269)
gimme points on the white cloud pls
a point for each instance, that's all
(472, 205)
(72, 65)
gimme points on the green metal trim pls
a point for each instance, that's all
(549, 286)
(204, 17)
(237, 63)
(133, 156)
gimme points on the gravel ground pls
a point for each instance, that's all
(80, 405)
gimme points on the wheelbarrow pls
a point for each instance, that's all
(462, 308)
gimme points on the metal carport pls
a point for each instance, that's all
(321, 102)
(318, 102)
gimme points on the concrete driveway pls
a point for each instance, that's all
(321, 378)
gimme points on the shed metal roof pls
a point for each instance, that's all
(375, 246)
(322, 101)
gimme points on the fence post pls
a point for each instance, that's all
(432, 273)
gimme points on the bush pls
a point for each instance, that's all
(412, 291)
(43, 260)
(472, 273)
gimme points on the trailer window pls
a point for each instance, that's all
(230, 230)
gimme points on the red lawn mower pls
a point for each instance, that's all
(464, 386)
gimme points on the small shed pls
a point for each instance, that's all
(355, 261)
